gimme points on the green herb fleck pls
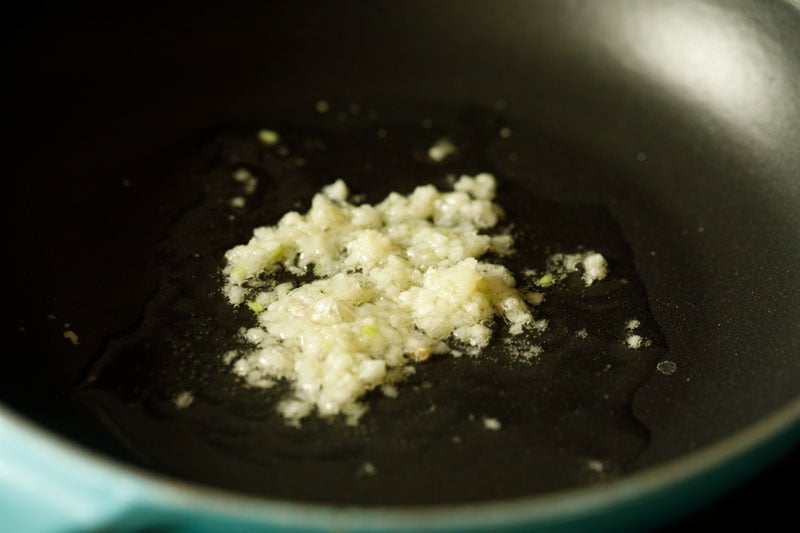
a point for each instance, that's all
(546, 280)
(255, 307)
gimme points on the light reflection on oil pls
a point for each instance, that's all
(711, 56)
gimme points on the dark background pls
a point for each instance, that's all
(769, 498)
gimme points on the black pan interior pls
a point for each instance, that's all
(124, 118)
(566, 414)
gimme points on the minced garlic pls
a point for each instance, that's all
(593, 264)
(395, 282)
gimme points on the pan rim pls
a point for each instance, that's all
(151, 489)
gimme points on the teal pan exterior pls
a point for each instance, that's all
(50, 485)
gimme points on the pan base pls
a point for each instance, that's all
(493, 426)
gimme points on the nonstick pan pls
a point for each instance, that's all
(663, 133)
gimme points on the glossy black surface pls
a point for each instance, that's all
(566, 414)
(681, 118)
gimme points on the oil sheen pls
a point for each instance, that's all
(544, 410)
